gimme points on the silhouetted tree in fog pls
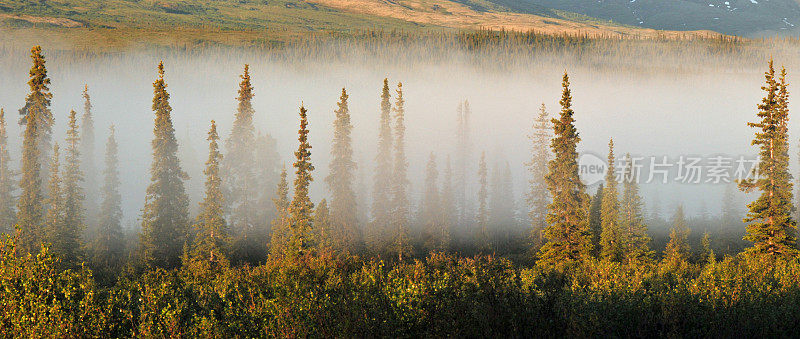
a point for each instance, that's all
(165, 218)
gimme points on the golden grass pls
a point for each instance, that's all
(455, 15)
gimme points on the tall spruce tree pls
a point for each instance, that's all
(8, 216)
(482, 236)
(72, 190)
(634, 230)
(382, 189)
(239, 164)
(340, 181)
(37, 107)
(771, 227)
(165, 218)
(109, 245)
(301, 208)
(210, 230)
(401, 245)
(30, 214)
(87, 145)
(568, 234)
(538, 197)
(678, 245)
(610, 234)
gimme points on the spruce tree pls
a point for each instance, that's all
(382, 189)
(482, 237)
(30, 214)
(240, 164)
(568, 234)
(210, 230)
(301, 208)
(401, 245)
(771, 227)
(611, 235)
(73, 193)
(109, 245)
(538, 197)
(165, 218)
(87, 145)
(37, 108)
(678, 246)
(340, 181)
(430, 209)
(632, 223)
(8, 216)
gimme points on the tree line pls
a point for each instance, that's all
(322, 245)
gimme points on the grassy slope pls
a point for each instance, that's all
(133, 23)
(118, 23)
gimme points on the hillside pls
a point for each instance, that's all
(239, 22)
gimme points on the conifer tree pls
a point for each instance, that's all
(632, 224)
(37, 107)
(210, 230)
(568, 234)
(430, 208)
(678, 247)
(538, 197)
(8, 216)
(87, 145)
(399, 203)
(301, 207)
(771, 227)
(382, 189)
(611, 235)
(340, 181)
(240, 165)
(482, 238)
(30, 214)
(280, 225)
(73, 193)
(595, 217)
(165, 219)
(109, 246)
